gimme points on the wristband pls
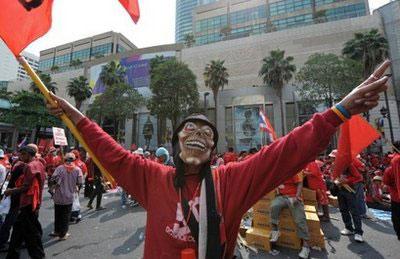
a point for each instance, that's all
(343, 110)
(339, 114)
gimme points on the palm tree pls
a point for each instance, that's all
(78, 88)
(4, 94)
(276, 71)
(47, 81)
(112, 74)
(370, 48)
(189, 40)
(215, 78)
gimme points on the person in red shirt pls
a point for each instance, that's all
(349, 202)
(376, 199)
(289, 196)
(392, 179)
(192, 207)
(29, 186)
(316, 182)
(230, 156)
(53, 160)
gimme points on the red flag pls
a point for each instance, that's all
(355, 135)
(23, 21)
(132, 6)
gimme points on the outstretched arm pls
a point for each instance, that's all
(131, 172)
(246, 182)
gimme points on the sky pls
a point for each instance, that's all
(77, 19)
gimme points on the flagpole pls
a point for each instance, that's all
(67, 121)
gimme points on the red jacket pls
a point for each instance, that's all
(242, 184)
(314, 177)
(392, 178)
(230, 157)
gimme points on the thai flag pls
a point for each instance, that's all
(23, 143)
(266, 126)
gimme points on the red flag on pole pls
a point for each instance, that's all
(355, 135)
(265, 125)
(132, 6)
(23, 21)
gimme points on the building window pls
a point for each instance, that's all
(229, 137)
(102, 50)
(82, 55)
(293, 21)
(248, 15)
(291, 120)
(345, 12)
(288, 6)
(213, 23)
(62, 60)
(120, 49)
(45, 64)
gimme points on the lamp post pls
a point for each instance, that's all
(205, 102)
(386, 114)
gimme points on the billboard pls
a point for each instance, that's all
(137, 72)
(247, 130)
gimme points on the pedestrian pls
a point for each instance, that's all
(193, 207)
(29, 186)
(392, 179)
(66, 179)
(163, 157)
(5, 229)
(376, 198)
(98, 188)
(53, 160)
(349, 200)
(315, 181)
(230, 156)
(289, 195)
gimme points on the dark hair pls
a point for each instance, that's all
(230, 149)
(29, 150)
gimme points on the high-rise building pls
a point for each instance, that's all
(228, 19)
(73, 54)
(184, 18)
(10, 69)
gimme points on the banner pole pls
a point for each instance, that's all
(67, 121)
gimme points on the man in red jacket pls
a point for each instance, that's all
(392, 179)
(29, 186)
(230, 156)
(190, 207)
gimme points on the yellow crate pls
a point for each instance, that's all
(259, 238)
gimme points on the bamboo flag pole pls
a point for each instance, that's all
(43, 89)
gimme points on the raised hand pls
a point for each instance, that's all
(64, 107)
(365, 96)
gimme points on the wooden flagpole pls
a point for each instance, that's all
(67, 121)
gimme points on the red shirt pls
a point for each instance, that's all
(375, 193)
(33, 178)
(79, 163)
(392, 178)
(289, 187)
(241, 184)
(52, 163)
(314, 177)
(230, 157)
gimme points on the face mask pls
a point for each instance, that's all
(196, 142)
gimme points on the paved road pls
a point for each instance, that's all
(117, 233)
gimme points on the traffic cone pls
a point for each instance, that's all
(188, 253)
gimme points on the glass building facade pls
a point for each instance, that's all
(83, 55)
(184, 18)
(275, 16)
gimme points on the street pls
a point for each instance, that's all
(119, 233)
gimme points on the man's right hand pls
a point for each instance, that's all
(64, 107)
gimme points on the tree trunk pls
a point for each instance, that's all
(78, 105)
(116, 129)
(33, 135)
(282, 113)
(215, 93)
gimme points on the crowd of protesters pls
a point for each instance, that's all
(374, 181)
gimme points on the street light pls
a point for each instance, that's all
(386, 114)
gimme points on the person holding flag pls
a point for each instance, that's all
(188, 207)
